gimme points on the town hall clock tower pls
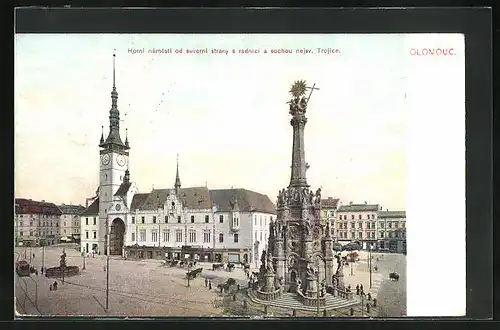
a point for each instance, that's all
(114, 157)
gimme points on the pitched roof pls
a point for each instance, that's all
(196, 197)
(123, 189)
(202, 198)
(93, 209)
(330, 202)
(392, 214)
(71, 209)
(358, 208)
(138, 200)
(248, 201)
(28, 206)
(193, 198)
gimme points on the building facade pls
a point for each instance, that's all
(357, 223)
(226, 225)
(392, 230)
(70, 222)
(36, 223)
(329, 207)
(89, 227)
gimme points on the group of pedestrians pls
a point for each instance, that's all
(208, 283)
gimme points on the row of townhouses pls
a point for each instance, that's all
(207, 224)
(367, 224)
(43, 223)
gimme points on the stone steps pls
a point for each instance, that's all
(290, 301)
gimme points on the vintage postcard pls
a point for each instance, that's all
(239, 175)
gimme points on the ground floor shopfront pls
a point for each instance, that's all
(364, 244)
(392, 245)
(36, 241)
(188, 252)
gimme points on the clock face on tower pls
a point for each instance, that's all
(120, 160)
(105, 159)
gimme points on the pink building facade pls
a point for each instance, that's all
(357, 223)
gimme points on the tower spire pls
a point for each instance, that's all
(114, 93)
(102, 135)
(114, 69)
(126, 137)
(177, 178)
(114, 115)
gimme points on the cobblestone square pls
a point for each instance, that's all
(146, 288)
(136, 288)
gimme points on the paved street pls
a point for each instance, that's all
(137, 288)
(391, 295)
(144, 288)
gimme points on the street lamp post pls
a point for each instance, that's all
(317, 289)
(319, 260)
(370, 258)
(43, 255)
(362, 304)
(107, 263)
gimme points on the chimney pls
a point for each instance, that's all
(387, 209)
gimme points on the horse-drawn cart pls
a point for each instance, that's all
(394, 276)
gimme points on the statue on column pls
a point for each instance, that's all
(318, 197)
(286, 214)
(269, 263)
(307, 228)
(311, 197)
(328, 232)
(272, 229)
(310, 270)
(263, 258)
(296, 196)
(304, 195)
(340, 264)
(278, 229)
(305, 209)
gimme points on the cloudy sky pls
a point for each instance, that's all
(226, 115)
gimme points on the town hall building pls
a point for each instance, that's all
(217, 225)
